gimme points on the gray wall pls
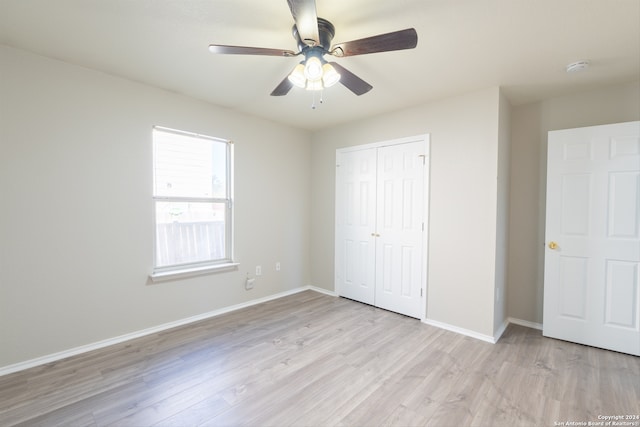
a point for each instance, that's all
(76, 230)
(502, 217)
(463, 201)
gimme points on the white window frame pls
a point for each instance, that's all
(169, 272)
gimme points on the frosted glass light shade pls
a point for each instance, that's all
(313, 69)
(297, 76)
(314, 73)
(329, 75)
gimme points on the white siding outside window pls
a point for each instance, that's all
(192, 193)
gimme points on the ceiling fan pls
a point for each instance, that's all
(313, 36)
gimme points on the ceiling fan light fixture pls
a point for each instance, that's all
(329, 75)
(297, 76)
(313, 69)
(313, 36)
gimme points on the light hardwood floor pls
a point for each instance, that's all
(315, 360)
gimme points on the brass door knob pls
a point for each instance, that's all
(553, 245)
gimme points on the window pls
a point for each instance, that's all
(192, 193)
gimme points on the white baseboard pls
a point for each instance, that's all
(497, 334)
(462, 331)
(525, 323)
(491, 339)
(5, 370)
(323, 291)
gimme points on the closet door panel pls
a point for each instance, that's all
(355, 225)
(399, 235)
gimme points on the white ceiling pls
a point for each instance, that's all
(463, 45)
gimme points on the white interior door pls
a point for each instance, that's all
(400, 228)
(355, 225)
(592, 260)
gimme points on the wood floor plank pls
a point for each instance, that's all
(197, 414)
(311, 359)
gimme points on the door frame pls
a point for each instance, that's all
(425, 139)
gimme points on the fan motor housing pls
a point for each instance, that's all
(326, 31)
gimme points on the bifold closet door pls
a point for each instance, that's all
(380, 226)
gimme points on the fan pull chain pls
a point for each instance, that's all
(313, 104)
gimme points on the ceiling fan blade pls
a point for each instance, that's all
(397, 40)
(304, 13)
(283, 88)
(245, 50)
(352, 82)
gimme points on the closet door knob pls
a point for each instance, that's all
(553, 245)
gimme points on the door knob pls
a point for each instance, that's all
(553, 245)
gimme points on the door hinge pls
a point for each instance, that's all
(420, 292)
(423, 226)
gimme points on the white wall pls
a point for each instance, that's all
(463, 201)
(76, 230)
(529, 126)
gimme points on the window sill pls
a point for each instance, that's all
(192, 272)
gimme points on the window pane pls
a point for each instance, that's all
(189, 232)
(188, 166)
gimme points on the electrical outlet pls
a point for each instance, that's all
(259, 270)
(277, 266)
